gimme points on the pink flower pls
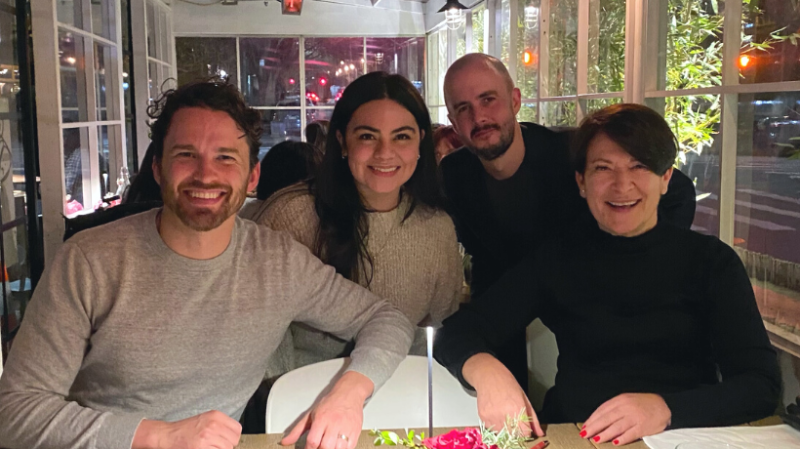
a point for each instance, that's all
(457, 439)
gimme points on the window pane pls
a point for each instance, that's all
(73, 77)
(505, 27)
(606, 67)
(313, 115)
(527, 113)
(270, 72)
(695, 121)
(341, 59)
(68, 12)
(103, 19)
(106, 82)
(201, 57)
(559, 113)
(479, 28)
(107, 152)
(767, 220)
(154, 80)
(770, 42)
(596, 105)
(560, 79)
(439, 115)
(461, 39)
(76, 168)
(152, 24)
(279, 125)
(162, 35)
(694, 44)
(528, 48)
(432, 76)
(443, 64)
(768, 175)
(403, 56)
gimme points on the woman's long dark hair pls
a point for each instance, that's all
(343, 228)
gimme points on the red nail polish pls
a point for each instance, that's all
(616, 442)
(583, 434)
(596, 439)
(584, 426)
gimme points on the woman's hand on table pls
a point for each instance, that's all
(499, 394)
(627, 417)
(207, 430)
(335, 423)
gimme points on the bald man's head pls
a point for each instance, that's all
(474, 62)
(482, 104)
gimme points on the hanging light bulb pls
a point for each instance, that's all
(453, 13)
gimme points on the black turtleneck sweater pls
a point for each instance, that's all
(661, 313)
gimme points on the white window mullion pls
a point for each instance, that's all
(303, 87)
(513, 38)
(582, 56)
(544, 52)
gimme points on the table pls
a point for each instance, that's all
(561, 436)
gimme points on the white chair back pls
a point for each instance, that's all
(402, 402)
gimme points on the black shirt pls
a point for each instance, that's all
(657, 313)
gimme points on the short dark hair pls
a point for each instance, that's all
(284, 164)
(639, 130)
(213, 93)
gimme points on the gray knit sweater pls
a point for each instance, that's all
(122, 328)
(417, 267)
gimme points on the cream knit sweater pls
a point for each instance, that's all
(416, 267)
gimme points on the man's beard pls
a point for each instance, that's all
(202, 219)
(492, 152)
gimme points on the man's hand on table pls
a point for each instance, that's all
(499, 394)
(208, 430)
(335, 423)
(626, 418)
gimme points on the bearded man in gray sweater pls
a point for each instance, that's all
(153, 331)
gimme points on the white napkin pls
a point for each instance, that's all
(768, 437)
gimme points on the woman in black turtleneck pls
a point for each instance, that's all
(645, 315)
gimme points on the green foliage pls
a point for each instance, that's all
(386, 438)
(510, 436)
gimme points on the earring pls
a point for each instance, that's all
(344, 156)
(583, 193)
(418, 157)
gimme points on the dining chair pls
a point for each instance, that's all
(402, 402)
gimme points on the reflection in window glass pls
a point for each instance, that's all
(154, 80)
(105, 80)
(695, 122)
(694, 44)
(338, 61)
(201, 57)
(402, 55)
(76, 168)
(162, 35)
(559, 113)
(600, 103)
(152, 25)
(767, 213)
(562, 49)
(479, 28)
(771, 43)
(606, 67)
(102, 19)
(270, 71)
(461, 40)
(768, 175)
(443, 64)
(527, 113)
(279, 125)
(434, 85)
(528, 48)
(505, 27)
(106, 153)
(73, 78)
(68, 12)
(313, 115)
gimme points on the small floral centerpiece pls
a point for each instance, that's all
(510, 437)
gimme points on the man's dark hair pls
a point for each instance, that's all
(284, 164)
(215, 94)
(639, 130)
